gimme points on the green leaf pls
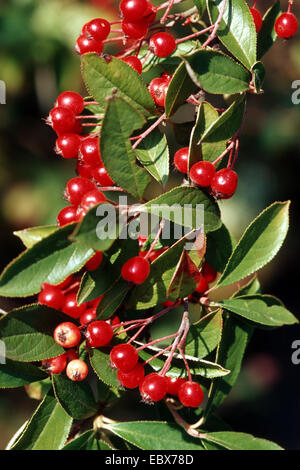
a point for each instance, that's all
(216, 72)
(30, 236)
(103, 76)
(267, 36)
(183, 205)
(28, 333)
(235, 337)
(51, 260)
(16, 374)
(87, 441)
(158, 435)
(259, 244)
(112, 299)
(206, 335)
(99, 228)
(201, 6)
(48, 428)
(237, 30)
(185, 278)
(119, 123)
(166, 63)
(261, 309)
(75, 397)
(259, 73)
(219, 246)
(95, 283)
(180, 88)
(153, 154)
(206, 116)
(252, 287)
(101, 364)
(239, 441)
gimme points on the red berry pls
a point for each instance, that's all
(84, 170)
(77, 370)
(124, 357)
(136, 270)
(99, 333)
(94, 262)
(66, 282)
(286, 25)
(67, 145)
(162, 44)
(158, 88)
(89, 150)
(224, 184)
(209, 272)
(77, 188)
(71, 308)
(190, 394)
(55, 365)
(181, 159)
(98, 28)
(51, 296)
(115, 321)
(72, 101)
(174, 384)
(154, 387)
(135, 29)
(133, 9)
(61, 119)
(134, 62)
(202, 173)
(150, 13)
(202, 285)
(67, 215)
(256, 18)
(67, 335)
(91, 199)
(85, 45)
(101, 176)
(133, 378)
(77, 128)
(71, 354)
(88, 316)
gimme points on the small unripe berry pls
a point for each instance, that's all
(67, 335)
(77, 370)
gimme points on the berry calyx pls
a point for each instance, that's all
(89, 151)
(61, 119)
(181, 159)
(98, 29)
(257, 18)
(162, 44)
(55, 365)
(91, 199)
(100, 175)
(286, 25)
(72, 101)
(134, 63)
(124, 357)
(224, 184)
(67, 145)
(174, 384)
(94, 262)
(77, 370)
(202, 173)
(67, 335)
(98, 333)
(85, 45)
(77, 188)
(158, 88)
(133, 378)
(133, 9)
(135, 29)
(136, 270)
(190, 394)
(71, 308)
(154, 387)
(67, 215)
(51, 296)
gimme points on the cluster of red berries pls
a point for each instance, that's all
(286, 24)
(222, 184)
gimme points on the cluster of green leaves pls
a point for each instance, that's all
(217, 340)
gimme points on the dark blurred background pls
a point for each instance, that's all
(37, 62)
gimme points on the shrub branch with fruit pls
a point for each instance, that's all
(142, 313)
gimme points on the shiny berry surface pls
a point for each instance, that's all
(154, 387)
(134, 62)
(135, 29)
(158, 88)
(257, 18)
(286, 25)
(67, 215)
(124, 357)
(190, 394)
(98, 333)
(85, 45)
(94, 262)
(202, 173)
(133, 378)
(133, 9)
(100, 175)
(77, 188)
(181, 159)
(71, 308)
(136, 270)
(61, 119)
(77, 370)
(88, 316)
(55, 365)
(72, 101)
(91, 199)
(98, 29)
(67, 145)
(162, 44)
(224, 183)
(89, 151)
(67, 335)
(174, 384)
(51, 296)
